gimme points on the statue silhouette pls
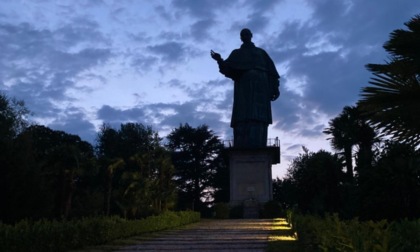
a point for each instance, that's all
(256, 84)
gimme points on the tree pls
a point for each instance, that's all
(136, 170)
(393, 100)
(344, 129)
(47, 170)
(65, 160)
(391, 189)
(128, 140)
(12, 117)
(221, 179)
(365, 154)
(197, 157)
(152, 188)
(12, 122)
(163, 186)
(107, 151)
(316, 178)
(284, 192)
(350, 129)
(24, 189)
(107, 142)
(111, 167)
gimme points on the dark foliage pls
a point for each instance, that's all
(393, 99)
(197, 154)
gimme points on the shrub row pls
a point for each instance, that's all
(47, 235)
(332, 234)
(270, 209)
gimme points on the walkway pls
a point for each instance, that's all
(207, 235)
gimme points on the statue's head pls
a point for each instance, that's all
(246, 35)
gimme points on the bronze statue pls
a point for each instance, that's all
(256, 84)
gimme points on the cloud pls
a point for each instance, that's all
(171, 52)
(140, 37)
(294, 147)
(79, 31)
(203, 9)
(143, 63)
(333, 82)
(255, 22)
(206, 103)
(163, 116)
(74, 121)
(111, 115)
(212, 91)
(327, 54)
(200, 29)
(354, 37)
(296, 115)
(262, 6)
(366, 22)
(41, 65)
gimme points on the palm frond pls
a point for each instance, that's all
(392, 105)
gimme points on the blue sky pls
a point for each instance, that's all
(79, 63)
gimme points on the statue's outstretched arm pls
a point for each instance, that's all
(216, 56)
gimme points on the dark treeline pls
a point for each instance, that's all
(375, 170)
(387, 187)
(51, 174)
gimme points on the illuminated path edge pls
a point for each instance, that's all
(207, 235)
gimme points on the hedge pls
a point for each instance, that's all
(46, 235)
(332, 234)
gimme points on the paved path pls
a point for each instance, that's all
(207, 235)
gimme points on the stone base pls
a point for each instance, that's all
(251, 209)
(250, 175)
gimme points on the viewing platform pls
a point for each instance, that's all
(272, 146)
(271, 142)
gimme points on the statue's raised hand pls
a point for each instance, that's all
(216, 56)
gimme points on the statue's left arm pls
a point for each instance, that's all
(216, 56)
(224, 67)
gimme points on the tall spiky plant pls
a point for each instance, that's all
(392, 102)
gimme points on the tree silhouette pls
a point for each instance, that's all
(197, 157)
(393, 100)
(64, 159)
(12, 122)
(344, 131)
(12, 117)
(136, 170)
(391, 188)
(315, 178)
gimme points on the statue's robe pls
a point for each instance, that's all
(256, 81)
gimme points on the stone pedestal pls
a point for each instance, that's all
(250, 176)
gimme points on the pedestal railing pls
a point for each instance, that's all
(271, 142)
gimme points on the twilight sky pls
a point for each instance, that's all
(79, 63)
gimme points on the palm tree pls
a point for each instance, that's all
(393, 100)
(351, 129)
(112, 166)
(343, 130)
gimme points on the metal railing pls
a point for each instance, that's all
(271, 142)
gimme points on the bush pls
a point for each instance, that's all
(236, 212)
(272, 209)
(332, 234)
(221, 210)
(405, 236)
(64, 235)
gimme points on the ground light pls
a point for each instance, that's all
(282, 237)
